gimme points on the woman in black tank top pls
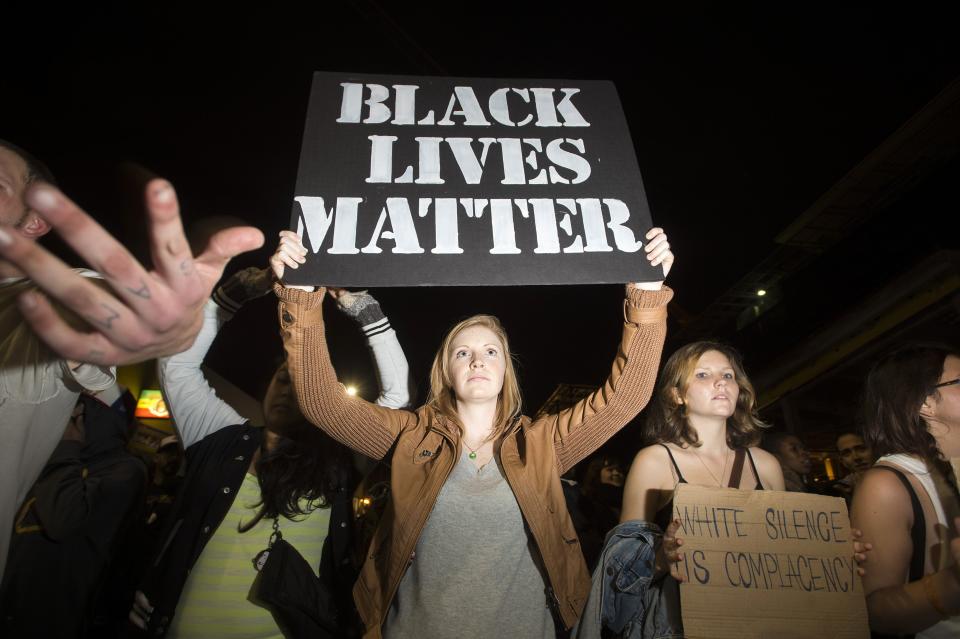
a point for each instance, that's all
(704, 428)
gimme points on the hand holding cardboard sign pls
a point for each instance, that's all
(151, 313)
(860, 550)
(668, 554)
(764, 563)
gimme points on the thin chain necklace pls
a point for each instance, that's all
(723, 473)
(473, 451)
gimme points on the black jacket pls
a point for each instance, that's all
(66, 534)
(216, 466)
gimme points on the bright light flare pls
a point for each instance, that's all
(351, 390)
(761, 292)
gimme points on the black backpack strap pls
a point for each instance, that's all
(918, 533)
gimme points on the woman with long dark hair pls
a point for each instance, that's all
(245, 482)
(908, 504)
(477, 540)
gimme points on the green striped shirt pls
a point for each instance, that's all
(215, 601)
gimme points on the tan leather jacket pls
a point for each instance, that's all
(426, 446)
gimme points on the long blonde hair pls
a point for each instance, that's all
(442, 397)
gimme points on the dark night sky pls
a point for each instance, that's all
(741, 118)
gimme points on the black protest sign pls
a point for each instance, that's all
(763, 563)
(413, 181)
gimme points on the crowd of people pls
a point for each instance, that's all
(478, 529)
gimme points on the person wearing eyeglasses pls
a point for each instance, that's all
(907, 505)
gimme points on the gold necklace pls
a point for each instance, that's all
(723, 472)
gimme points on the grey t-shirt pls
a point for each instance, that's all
(473, 574)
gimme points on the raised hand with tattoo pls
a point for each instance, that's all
(151, 312)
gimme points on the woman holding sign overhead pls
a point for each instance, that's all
(908, 504)
(476, 541)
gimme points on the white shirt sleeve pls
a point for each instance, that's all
(392, 369)
(90, 377)
(193, 404)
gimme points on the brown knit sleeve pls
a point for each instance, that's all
(585, 426)
(367, 428)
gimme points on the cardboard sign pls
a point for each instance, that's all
(415, 181)
(767, 564)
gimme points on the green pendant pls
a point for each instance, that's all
(472, 455)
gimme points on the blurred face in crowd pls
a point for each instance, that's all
(280, 408)
(167, 460)
(13, 185)
(612, 475)
(794, 455)
(14, 212)
(855, 455)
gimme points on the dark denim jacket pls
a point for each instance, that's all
(623, 597)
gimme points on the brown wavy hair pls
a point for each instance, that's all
(894, 392)
(667, 421)
(442, 397)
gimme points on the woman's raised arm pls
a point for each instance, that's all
(367, 428)
(585, 426)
